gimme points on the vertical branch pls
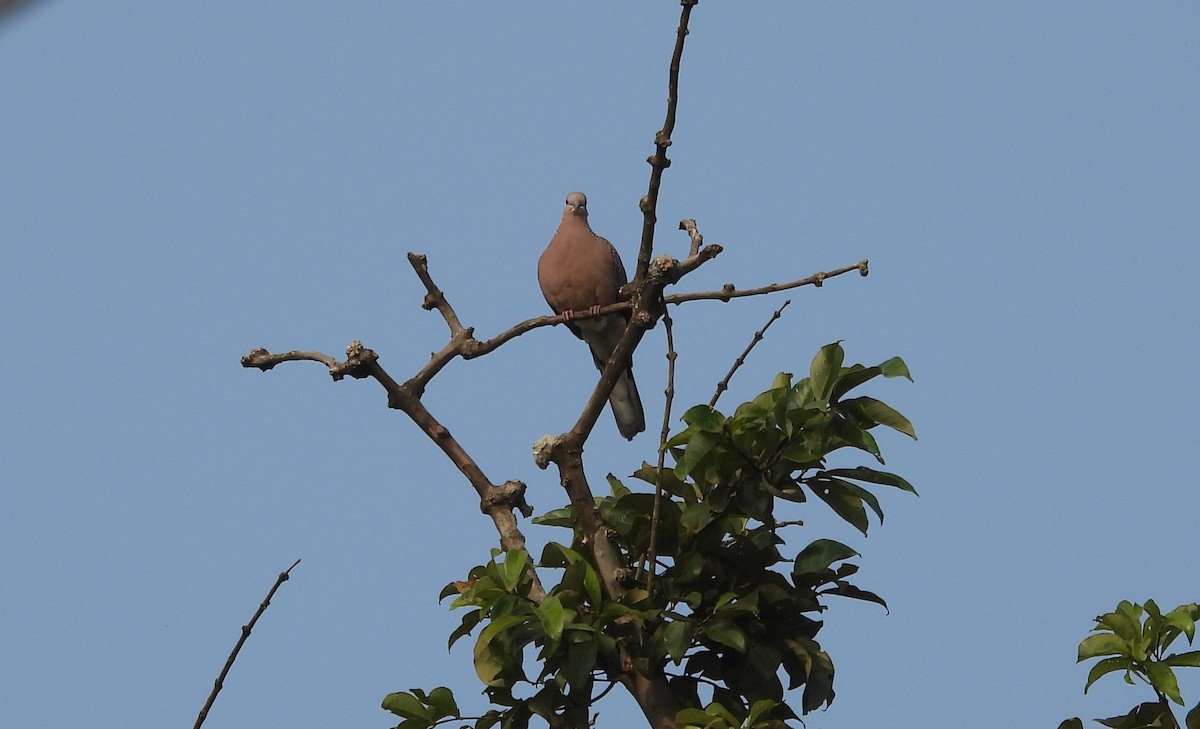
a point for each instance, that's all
(649, 560)
(658, 161)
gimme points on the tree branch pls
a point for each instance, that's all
(262, 608)
(723, 385)
(658, 161)
(497, 501)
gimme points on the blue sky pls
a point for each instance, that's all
(182, 182)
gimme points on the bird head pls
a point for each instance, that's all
(577, 203)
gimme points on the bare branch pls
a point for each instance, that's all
(729, 291)
(220, 682)
(658, 161)
(689, 225)
(723, 385)
(497, 502)
(662, 454)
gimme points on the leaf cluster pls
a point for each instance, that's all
(722, 613)
(1135, 639)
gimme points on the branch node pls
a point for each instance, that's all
(543, 450)
(862, 267)
(508, 495)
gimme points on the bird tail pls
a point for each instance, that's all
(627, 406)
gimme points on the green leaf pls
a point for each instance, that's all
(678, 635)
(820, 555)
(882, 413)
(1163, 678)
(488, 666)
(581, 661)
(1143, 716)
(1073, 723)
(895, 367)
(1183, 618)
(846, 505)
(870, 475)
(845, 589)
(1102, 644)
(563, 517)
(725, 632)
(704, 419)
(551, 613)
(760, 709)
(441, 701)
(824, 368)
(1108, 665)
(618, 489)
(1192, 721)
(1190, 658)
(688, 718)
(469, 621)
(1128, 627)
(407, 706)
(859, 492)
(695, 451)
(514, 568)
(851, 378)
(489, 719)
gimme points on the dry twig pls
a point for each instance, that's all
(220, 682)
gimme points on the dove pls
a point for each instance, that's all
(579, 272)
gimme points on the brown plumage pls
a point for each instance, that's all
(580, 271)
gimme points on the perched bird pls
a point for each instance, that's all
(580, 272)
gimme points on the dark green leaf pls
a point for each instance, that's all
(862, 473)
(726, 632)
(581, 661)
(845, 589)
(859, 492)
(1074, 723)
(820, 555)
(1192, 721)
(488, 720)
(846, 505)
(469, 621)
(678, 635)
(1143, 716)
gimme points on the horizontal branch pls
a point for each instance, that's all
(729, 291)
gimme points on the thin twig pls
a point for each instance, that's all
(729, 291)
(283, 577)
(649, 558)
(723, 385)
